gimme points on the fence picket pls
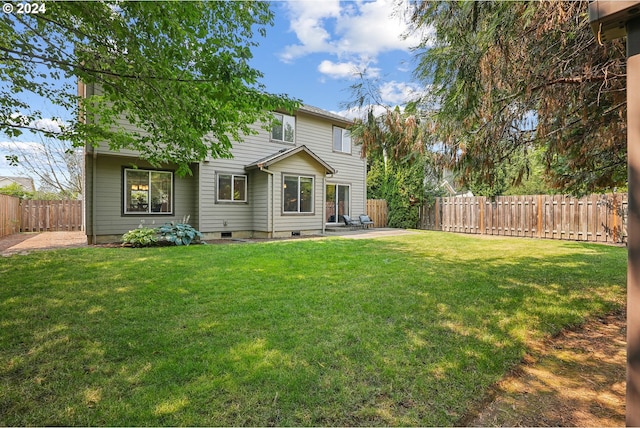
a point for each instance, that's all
(9, 215)
(600, 218)
(377, 212)
(51, 216)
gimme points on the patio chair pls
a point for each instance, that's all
(365, 221)
(348, 221)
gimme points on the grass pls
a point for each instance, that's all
(407, 330)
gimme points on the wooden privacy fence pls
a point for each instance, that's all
(599, 218)
(51, 216)
(377, 211)
(9, 215)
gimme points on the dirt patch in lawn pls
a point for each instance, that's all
(574, 379)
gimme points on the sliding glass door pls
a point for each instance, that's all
(337, 203)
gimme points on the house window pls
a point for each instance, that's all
(232, 188)
(283, 128)
(341, 140)
(337, 204)
(148, 192)
(297, 194)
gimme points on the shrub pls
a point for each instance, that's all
(141, 237)
(179, 233)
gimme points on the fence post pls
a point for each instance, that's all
(593, 218)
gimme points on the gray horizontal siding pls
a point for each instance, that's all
(108, 200)
(311, 131)
(196, 196)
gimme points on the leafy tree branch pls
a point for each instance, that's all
(178, 72)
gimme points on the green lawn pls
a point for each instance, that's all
(406, 330)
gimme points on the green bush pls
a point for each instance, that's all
(179, 233)
(141, 237)
(402, 185)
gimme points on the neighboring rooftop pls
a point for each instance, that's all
(25, 182)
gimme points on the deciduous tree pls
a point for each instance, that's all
(56, 164)
(177, 71)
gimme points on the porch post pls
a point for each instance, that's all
(633, 225)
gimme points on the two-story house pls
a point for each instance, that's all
(296, 179)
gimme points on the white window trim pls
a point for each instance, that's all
(313, 192)
(149, 205)
(341, 185)
(233, 176)
(282, 129)
(343, 131)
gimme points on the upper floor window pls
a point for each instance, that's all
(148, 192)
(232, 188)
(283, 128)
(341, 140)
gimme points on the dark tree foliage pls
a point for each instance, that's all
(512, 77)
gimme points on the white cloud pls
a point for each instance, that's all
(399, 93)
(347, 70)
(307, 22)
(16, 148)
(394, 94)
(358, 29)
(48, 125)
(373, 29)
(339, 70)
(44, 124)
(361, 112)
(27, 147)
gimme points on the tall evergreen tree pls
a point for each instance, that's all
(515, 76)
(397, 145)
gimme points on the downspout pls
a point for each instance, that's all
(273, 195)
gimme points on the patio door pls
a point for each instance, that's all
(337, 203)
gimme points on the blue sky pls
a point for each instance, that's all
(316, 48)
(314, 52)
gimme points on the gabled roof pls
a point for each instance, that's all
(288, 152)
(315, 111)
